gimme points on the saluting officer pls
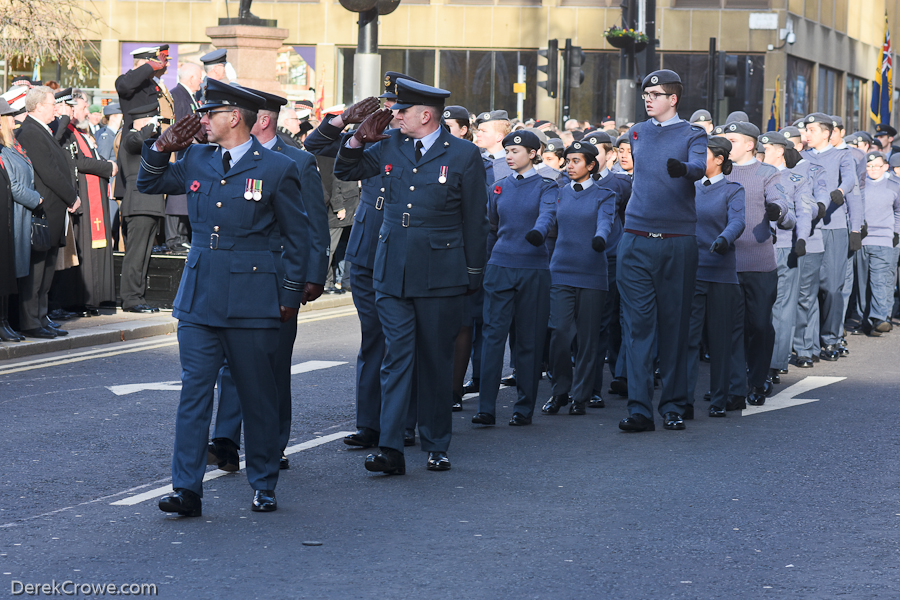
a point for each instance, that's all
(431, 251)
(214, 68)
(230, 302)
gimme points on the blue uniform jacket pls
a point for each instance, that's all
(433, 239)
(230, 279)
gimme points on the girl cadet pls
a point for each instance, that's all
(578, 271)
(717, 293)
(516, 278)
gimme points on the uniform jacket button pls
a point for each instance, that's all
(409, 206)
(223, 182)
(412, 188)
(216, 228)
(254, 268)
(218, 205)
(382, 189)
(415, 170)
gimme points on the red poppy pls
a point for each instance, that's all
(195, 186)
(497, 189)
(634, 135)
(387, 168)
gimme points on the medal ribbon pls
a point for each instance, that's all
(95, 196)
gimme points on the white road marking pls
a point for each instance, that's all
(215, 474)
(174, 386)
(79, 357)
(788, 396)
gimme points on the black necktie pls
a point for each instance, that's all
(707, 182)
(577, 187)
(419, 148)
(520, 177)
(226, 161)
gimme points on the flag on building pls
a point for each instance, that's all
(775, 111)
(883, 85)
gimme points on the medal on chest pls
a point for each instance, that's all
(443, 176)
(253, 190)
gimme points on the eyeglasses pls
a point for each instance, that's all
(653, 95)
(215, 112)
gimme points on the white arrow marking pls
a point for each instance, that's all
(788, 396)
(174, 386)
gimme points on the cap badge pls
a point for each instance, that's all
(811, 119)
(446, 114)
(654, 80)
(387, 81)
(732, 127)
(577, 146)
(485, 116)
(551, 147)
(517, 139)
(765, 140)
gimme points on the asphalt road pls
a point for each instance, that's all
(798, 502)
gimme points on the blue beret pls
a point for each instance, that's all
(522, 138)
(660, 77)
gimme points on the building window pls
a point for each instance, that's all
(415, 63)
(797, 88)
(490, 77)
(853, 118)
(828, 94)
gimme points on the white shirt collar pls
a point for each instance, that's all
(826, 149)
(749, 161)
(270, 144)
(584, 184)
(238, 151)
(429, 139)
(672, 121)
(714, 179)
(42, 124)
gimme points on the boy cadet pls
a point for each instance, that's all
(492, 127)
(764, 201)
(702, 118)
(658, 253)
(431, 250)
(845, 204)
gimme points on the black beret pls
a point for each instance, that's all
(597, 137)
(456, 112)
(718, 142)
(660, 77)
(522, 138)
(895, 160)
(837, 121)
(622, 139)
(589, 151)
(494, 115)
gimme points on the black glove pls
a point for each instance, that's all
(822, 210)
(896, 239)
(598, 244)
(676, 168)
(534, 237)
(864, 230)
(773, 212)
(800, 248)
(855, 241)
(720, 246)
(837, 198)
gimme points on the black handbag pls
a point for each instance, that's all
(40, 233)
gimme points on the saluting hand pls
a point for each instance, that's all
(180, 135)
(372, 128)
(358, 112)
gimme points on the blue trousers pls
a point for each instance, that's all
(879, 291)
(716, 305)
(806, 329)
(251, 353)
(610, 329)
(519, 298)
(575, 314)
(656, 280)
(833, 274)
(419, 336)
(371, 350)
(784, 312)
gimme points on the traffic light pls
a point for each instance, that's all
(576, 59)
(727, 75)
(551, 84)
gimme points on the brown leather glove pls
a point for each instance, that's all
(358, 112)
(371, 129)
(180, 135)
(157, 65)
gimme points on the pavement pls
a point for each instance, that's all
(120, 326)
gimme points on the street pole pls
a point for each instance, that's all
(711, 104)
(520, 96)
(367, 61)
(566, 88)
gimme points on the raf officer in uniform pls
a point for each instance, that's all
(214, 68)
(223, 450)
(231, 301)
(431, 251)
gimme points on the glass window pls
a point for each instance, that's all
(827, 97)
(490, 77)
(415, 63)
(797, 88)
(853, 117)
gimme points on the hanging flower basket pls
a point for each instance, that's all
(626, 38)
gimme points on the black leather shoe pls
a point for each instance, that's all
(554, 404)
(736, 403)
(717, 412)
(41, 333)
(223, 453)
(843, 350)
(60, 315)
(704, 357)
(636, 423)
(596, 402)
(768, 388)
(830, 353)
(142, 308)
(264, 501)
(756, 397)
(284, 464)
(673, 421)
(457, 403)
(688, 414)
(409, 437)
(484, 419)
(803, 362)
(472, 386)
(438, 461)
(7, 334)
(619, 386)
(387, 461)
(774, 377)
(59, 332)
(363, 438)
(518, 420)
(577, 408)
(182, 501)
(509, 380)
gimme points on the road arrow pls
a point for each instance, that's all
(788, 396)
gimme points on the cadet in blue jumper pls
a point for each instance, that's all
(578, 270)
(516, 278)
(720, 221)
(658, 253)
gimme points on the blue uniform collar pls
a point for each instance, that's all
(428, 141)
(270, 144)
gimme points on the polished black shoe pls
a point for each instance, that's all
(518, 420)
(736, 403)
(284, 464)
(7, 334)
(472, 386)
(40, 333)
(717, 412)
(484, 419)
(843, 350)
(708, 396)
(92, 312)
(803, 362)
(673, 421)
(774, 376)
(438, 461)
(264, 501)
(59, 332)
(60, 315)
(619, 386)
(553, 405)
(509, 380)
(756, 397)
(596, 402)
(142, 308)
(457, 403)
(830, 353)
(409, 437)
(704, 357)
(768, 388)
(223, 453)
(636, 423)
(577, 408)
(387, 461)
(182, 501)
(363, 438)
(688, 414)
